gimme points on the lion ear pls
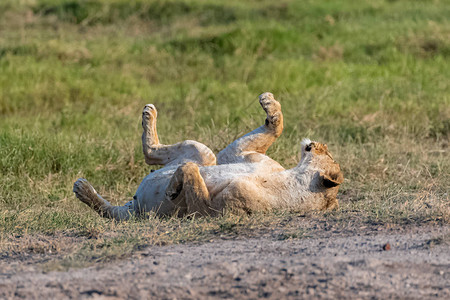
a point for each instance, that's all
(331, 180)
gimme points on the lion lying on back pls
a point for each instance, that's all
(241, 179)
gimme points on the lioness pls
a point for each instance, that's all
(241, 179)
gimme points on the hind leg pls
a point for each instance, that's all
(253, 146)
(159, 154)
(88, 195)
(188, 191)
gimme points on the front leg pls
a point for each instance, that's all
(253, 146)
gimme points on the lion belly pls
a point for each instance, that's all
(150, 195)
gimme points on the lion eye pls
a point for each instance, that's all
(308, 148)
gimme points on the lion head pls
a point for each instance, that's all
(327, 172)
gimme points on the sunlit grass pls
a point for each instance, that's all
(369, 78)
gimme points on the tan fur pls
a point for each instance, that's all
(244, 179)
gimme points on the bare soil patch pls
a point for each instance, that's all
(323, 263)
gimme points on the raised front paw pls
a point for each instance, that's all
(266, 98)
(272, 107)
(269, 104)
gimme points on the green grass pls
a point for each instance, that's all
(369, 78)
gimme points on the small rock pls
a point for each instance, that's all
(387, 247)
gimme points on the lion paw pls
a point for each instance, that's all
(85, 192)
(272, 108)
(149, 115)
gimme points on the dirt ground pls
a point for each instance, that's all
(330, 264)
